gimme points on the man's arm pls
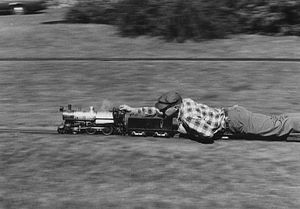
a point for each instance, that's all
(142, 111)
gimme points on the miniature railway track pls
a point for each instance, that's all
(150, 59)
(292, 138)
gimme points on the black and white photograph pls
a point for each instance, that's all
(149, 104)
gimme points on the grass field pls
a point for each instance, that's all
(57, 171)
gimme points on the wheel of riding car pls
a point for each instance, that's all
(91, 131)
(107, 130)
(18, 10)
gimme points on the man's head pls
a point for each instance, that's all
(169, 103)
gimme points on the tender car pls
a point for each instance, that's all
(22, 6)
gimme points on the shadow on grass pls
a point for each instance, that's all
(2, 13)
(6, 13)
(63, 22)
(253, 137)
(55, 22)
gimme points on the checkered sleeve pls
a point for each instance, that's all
(146, 111)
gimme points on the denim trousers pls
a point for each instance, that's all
(244, 122)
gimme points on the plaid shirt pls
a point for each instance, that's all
(201, 118)
(206, 121)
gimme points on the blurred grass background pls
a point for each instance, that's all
(89, 172)
(45, 35)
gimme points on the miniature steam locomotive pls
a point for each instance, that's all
(116, 122)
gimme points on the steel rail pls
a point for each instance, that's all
(148, 59)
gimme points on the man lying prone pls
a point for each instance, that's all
(203, 123)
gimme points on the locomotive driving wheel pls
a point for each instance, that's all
(108, 130)
(91, 130)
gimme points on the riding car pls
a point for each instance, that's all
(22, 6)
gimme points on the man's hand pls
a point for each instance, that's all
(126, 108)
(181, 129)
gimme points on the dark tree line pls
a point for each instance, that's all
(191, 19)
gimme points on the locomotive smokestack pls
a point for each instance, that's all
(92, 109)
(69, 107)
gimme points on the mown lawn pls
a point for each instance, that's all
(39, 171)
(57, 171)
